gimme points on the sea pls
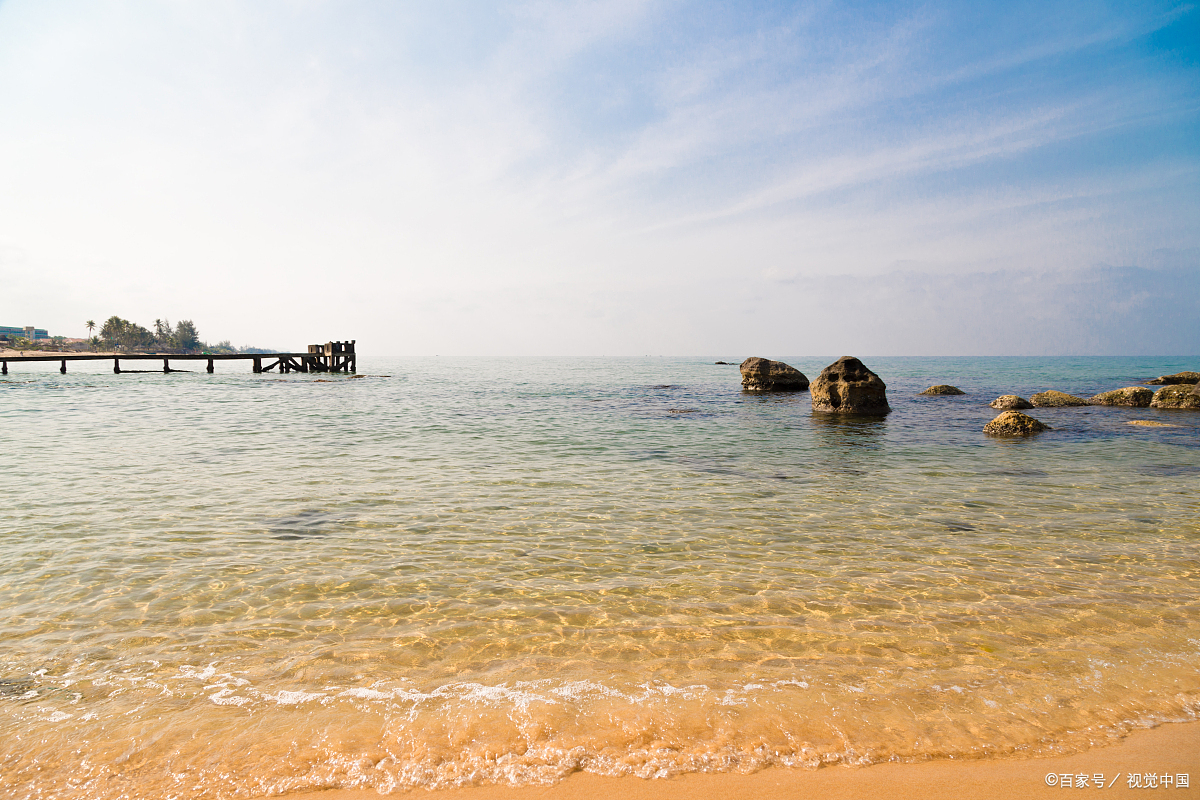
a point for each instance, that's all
(445, 572)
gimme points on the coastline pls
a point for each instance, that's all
(4, 353)
(255, 588)
(1170, 748)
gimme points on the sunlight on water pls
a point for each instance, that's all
(454, 571)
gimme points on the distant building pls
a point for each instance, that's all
(28, 332)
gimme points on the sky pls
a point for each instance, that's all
(608, 178)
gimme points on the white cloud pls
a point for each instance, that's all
(429, 178)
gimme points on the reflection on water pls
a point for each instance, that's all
(627, 567)
(307, 523)
(848, 431)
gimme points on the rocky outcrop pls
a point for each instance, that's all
(1177, 378)
(1176, 396)
(846, 386)
(1014, 423)
(1133, 396)
(943, 388)
(1053, 399)
(1010, 401)
(763, 375)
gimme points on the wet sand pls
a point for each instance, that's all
(1168, 749)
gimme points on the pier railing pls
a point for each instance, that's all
(328, 357)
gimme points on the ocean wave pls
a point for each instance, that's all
(215, 729)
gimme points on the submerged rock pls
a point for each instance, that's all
(1149, 423)
(1177, 378)
(943, 388)
(1014, 423)
(1054, 399)
(1134, 396)
(847, 386)
(1176, 396)
(763, 375)
(15, 687)
(1010, 401)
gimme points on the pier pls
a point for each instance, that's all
(328, 357)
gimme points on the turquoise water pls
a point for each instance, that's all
(460, 571)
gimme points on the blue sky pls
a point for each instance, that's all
(608, 178)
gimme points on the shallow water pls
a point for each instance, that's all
(461, 571)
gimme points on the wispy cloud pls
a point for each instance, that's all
(583, 156)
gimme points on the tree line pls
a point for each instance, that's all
(183, 337)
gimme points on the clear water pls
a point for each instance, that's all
(457, 571)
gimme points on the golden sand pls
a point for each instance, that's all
(1167, 750)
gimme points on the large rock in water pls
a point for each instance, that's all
(1053, 399)
(763, 375)
(1177, 378)
(848, 387)
(943, 388)
(1010, 401)
(1134, 396)
(1014, 423)
(1176, 396)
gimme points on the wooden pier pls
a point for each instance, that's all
(328, 357)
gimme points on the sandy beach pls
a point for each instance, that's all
(524, 583)
(5, 353)
(606, 400)
(1166, 750)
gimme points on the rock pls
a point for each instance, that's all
(1176, 396)
(761, 375)
(943, 388)
(1014, 423)
(1053, 399)
(1135, 396)
(726, 363)
(1177, 378)
(848, 387)
(1149, 423)
(1010, 401)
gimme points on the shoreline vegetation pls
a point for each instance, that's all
(1169, 749)
(119, 336)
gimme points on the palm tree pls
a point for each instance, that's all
(91, 326)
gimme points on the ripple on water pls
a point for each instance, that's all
(625, 567)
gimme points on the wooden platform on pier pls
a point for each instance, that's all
(328, 357)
